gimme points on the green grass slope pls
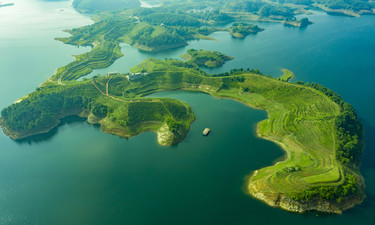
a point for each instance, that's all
(102, 55)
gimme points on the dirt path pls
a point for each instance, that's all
(106, 86)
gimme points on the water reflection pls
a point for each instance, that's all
(46, 137)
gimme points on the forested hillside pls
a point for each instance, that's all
(286, 9)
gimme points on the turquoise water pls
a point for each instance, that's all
(78, 175)
(28, 52)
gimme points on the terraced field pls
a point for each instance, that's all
(302, 121)
(101, 56)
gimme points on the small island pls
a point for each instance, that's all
(304, 22)
(205, 58)
(241, 30)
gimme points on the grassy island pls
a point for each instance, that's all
(320, 134)
(205, 58)
(304, 22)
(241, 30)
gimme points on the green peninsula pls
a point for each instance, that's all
(287, 75)
(320, 134)
(100, 100)
(205, 58)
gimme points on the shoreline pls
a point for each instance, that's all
(316, 204)
(164, 136)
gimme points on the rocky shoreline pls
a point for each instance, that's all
(316, 204)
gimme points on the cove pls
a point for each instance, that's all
(82, 166)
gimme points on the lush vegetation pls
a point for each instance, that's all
(171, 19)
(348, 130)
(102, 55)
(241, 30)
(260, 8)
(205, 58)
(104, 38)
(221, 11)
(213, 17)
(287, 8)
(43, 109)
(156, 29)
(355, 6)
(154, 38)
(335, 193)
(129, 30)
(319, 132)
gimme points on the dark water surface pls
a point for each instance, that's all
(79, 175)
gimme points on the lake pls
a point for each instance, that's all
(78, 175)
